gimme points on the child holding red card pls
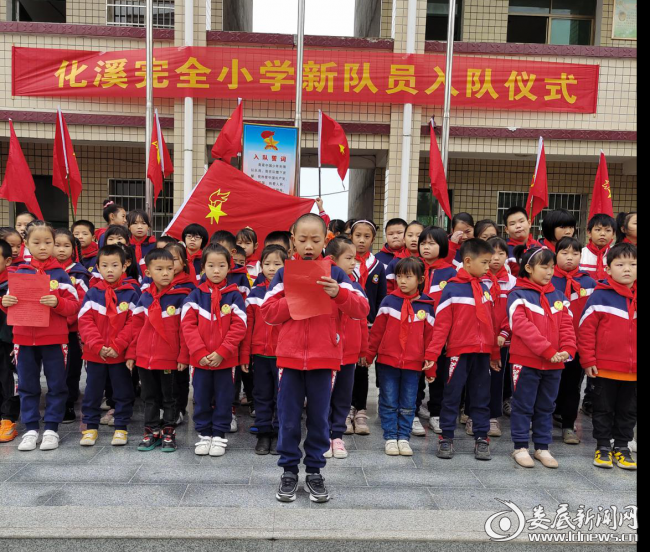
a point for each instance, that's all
(309, 353)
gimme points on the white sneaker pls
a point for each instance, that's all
(218, 447)
(469, 427)
(233, 425)
(330, 452)
(391, 448)
(107, 418)
(434, 424)
(29, 440)
(202, 448)
(404, 448)
(424, 413)
(104, 405)
(632, 445)
(417, 428)
(50, 440)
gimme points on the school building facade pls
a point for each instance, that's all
(492, 151)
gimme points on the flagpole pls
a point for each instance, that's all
(74, 219)
(299, 62)
(149, 109)
(240, 155)
(320, 136)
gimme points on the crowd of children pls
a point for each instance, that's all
(492, 327)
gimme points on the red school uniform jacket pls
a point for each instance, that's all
(261, 338)
(315, 343)
(106, 318)
(80, 278)
(500, 285)
(512, 244)
(542, 325)
(354, 334)
(437, 276)
(157, 342)
(593, 261)
(214, 320)
(61, 286)
(577, 286)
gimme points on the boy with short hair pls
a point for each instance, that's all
(158, 349)
(9, 400)
(601, 231)
(465, 323)
(518, 228)
(84, 230)
(279, 237)
(607, 344)
(395, 229)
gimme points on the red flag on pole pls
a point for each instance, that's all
(601, 199)
(227, 199)
(333, 146)
(437, 173)
(65, 170)
(160, 163)
(228, 143)
(538, 195)
(18, 183)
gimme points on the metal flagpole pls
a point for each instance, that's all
(299, 61)
(320, 135)
(444, 146)
(149, 110)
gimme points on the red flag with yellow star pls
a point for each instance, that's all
(228, 143)
(601, 199)
(65, 171)
(333, 146)
(227, 199)
(160, 163)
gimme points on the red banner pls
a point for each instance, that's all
(329, 76)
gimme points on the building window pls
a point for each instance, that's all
(132, 13)
(565, 22)
(428, 209)
(129, 193)
(438, 19)
(576, 204)
(43, 11)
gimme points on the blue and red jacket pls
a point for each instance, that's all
(181, 280)
(386, 255)
(96, 277)
(400, 336)
(140, 250)
(61, 286)
(157, 340)
(437, 276)
(314, 343)
(111, 326)
(500, 285)
(80, 278)
(539, 330)
(608, 329)
(374, 286)
(261, 338)
(454, 257)
(214, 320)
(577, 286)
(391, 285)
(89, 256)
(237, 276)
(512, 244)
(593, 261)
(194, 262)
(354, 334)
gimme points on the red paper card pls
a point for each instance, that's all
(28, 289)
(305, 297)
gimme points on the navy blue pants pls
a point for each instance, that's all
(213, 387)
(265, 393)
(123, 394)
(75, 364)
(496, 387)
(473, 371)
(568, 397)
(399, 390)
(533, 399)
(53, 358)
(9, 400)
(436, 389)
(294, 386)
(341, 400)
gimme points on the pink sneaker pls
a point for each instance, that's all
(338, 449)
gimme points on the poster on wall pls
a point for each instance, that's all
(624, 24)
(270, 156)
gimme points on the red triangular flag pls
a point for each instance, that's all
(228, 143)
(160, 166)
(227, 199)
(65, 163)
(437, 173)
(601, 199)
(333, 146)
(538, 195)
(18, 183)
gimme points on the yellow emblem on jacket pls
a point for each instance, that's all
(583, 292)
(487, 295)
(124, 306)
(422, 315)
(73, 280)
(171, 310)
(54, 284)
(443, 284)
(225, 310)
(559, 305)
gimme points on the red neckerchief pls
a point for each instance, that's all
(627, 240)
(405, 254)
(111, 301)
(548, 245)
(571, 283)
(99, 233)
(297, 257)
(525, 283)
(363, 269)
(41, 267)
(529, 242)
(429, 270)
(601, 274)
(501, 276)
(624, 291)
(90, 251)
(406, 316)
(264, 283)
(394, 252)
(464, 277)
(234, 269)
(138, 246)
(182, 278)
(155, 310)
(216, 293)
(191, 257)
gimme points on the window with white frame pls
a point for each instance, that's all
(132, 13)
(130, 194)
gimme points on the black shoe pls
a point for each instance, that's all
(263, 446)
(274, 446)
(69, 415)
(446, 448)
(150, 440)
(288, 487)
(315, 486)
(482, 449)
(169, 440)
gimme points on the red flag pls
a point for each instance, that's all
(18, 183)
(538, 195)
(160, 166)
(227, 199)
(65, 163)
(437, 173)
(228, 143)
(333, 146)
(601, 199)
